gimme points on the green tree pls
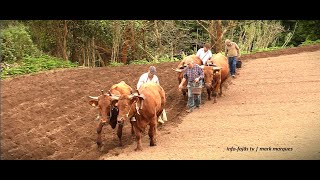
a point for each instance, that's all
(16, 43)
(303, 30)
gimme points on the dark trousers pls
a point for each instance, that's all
(232, 65)
(193, 100)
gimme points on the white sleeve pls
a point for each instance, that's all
(209, 55)
(140, 82)
(198, 53)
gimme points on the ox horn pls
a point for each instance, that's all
(216, 68)
(109, 93)
(92, 97)
(132, 95)
(178, 70)
(114, 97)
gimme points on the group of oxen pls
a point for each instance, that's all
(215, 73)
(143, 107)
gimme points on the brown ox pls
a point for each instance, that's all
(146, 106)
(181, 68)
(108, 111)
(215, 74)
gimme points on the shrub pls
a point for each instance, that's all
(16, 44)
(34, 64)
(113, 64)
(309, 42)
(168, 59)
(142, 61)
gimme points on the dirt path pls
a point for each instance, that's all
(270, 111)
(272, 103)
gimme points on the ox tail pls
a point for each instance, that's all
(164, 115)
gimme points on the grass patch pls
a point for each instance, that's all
(309, 42)
(34, 64)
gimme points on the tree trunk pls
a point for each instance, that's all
(212, 35)
(92, 52)
(102, 63)
(74, 56)
(104, 53)
(115, 41)
(158, 38)
(133, 40)
(87, 56)
(124, 52)
(64, 45)
(83, 59)
(144, 42)
(218, 46)
(61, 39)
(126, 44)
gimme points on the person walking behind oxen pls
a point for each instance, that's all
(232, 51)
(151, 76)
(204, 53)
(193, 75)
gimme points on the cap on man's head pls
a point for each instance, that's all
(152, 70)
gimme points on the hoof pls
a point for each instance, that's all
(138, 149)
(99, 144)
(160, 121)
(153, 144)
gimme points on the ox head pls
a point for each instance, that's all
(180, 71)
(181, 67)
(128, 105)
(210, 73)
(105, 106)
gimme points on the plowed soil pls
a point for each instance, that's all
(273, 103)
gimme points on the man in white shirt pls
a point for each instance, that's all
(204, 53)
(151, 76)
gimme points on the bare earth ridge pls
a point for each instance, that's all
(269, 111)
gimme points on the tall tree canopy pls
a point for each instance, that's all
(100, 42)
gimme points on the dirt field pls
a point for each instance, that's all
(273, 103)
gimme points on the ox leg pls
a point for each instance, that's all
(99, 130)
(184, 92)
(209, 93)
(152, 134)
(214, 97)
(119, 133)
(220, 93)
(138, 137)
(132, 130)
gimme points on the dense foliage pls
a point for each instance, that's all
(31, 65)
(94, 43)
(16, 43)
